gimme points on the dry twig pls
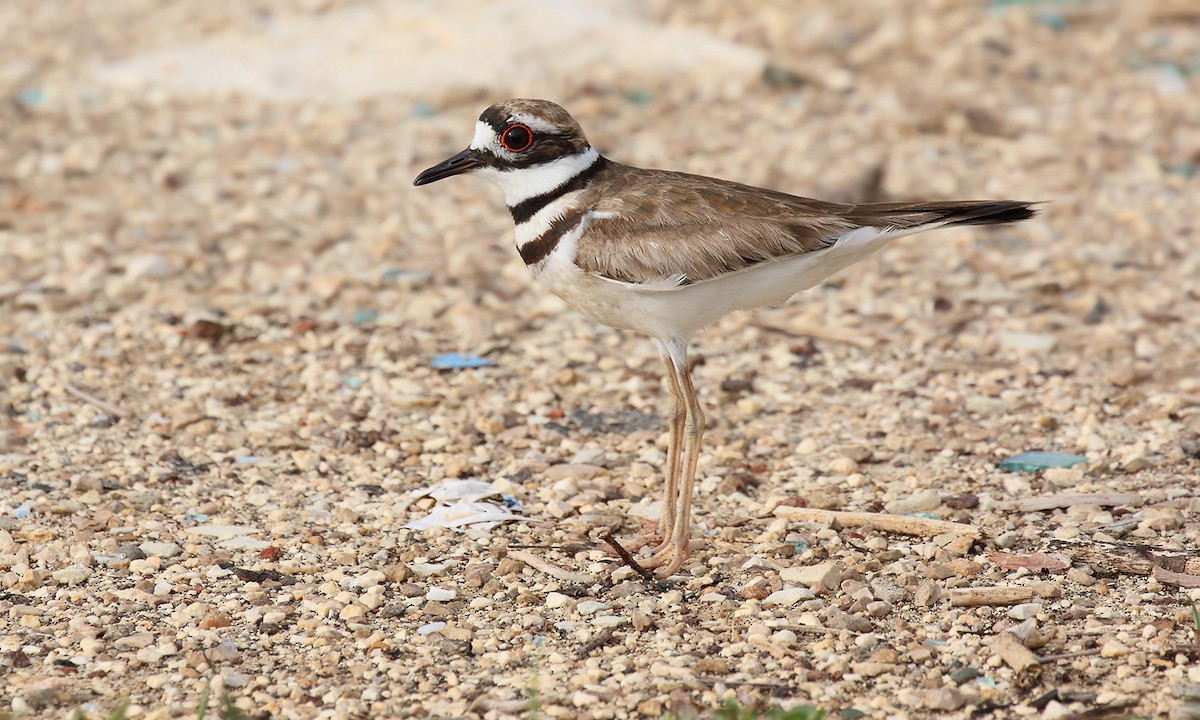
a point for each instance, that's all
(625, 556)
(1062, 500)
(819, 332)
(902, 524)
(87, 397)
(1129, 559)
(553, 571)
(971, 597)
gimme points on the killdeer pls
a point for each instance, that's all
(666, 253)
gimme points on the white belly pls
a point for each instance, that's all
(669, 310)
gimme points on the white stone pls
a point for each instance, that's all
(159, 549)
(72, 575)
(588, 607)
(557, 600)
(788, 596)
(826, 574)
(147, 267)
(440, 594)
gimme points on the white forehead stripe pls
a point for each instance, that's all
(485, 137)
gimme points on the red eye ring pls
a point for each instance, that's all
(516, 138)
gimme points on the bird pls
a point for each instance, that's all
(667, 253)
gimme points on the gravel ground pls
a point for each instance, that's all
(218, 318)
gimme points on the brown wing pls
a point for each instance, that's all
(655, 224)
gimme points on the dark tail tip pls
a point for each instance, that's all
(990, 212)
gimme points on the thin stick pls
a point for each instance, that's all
(903, 524)
(626, 557)
(744, 683)
(820, 332)
(974, 597)
(93, 400)
(553, 571)
(820, 630)
(1062, 500)
(1070, 656)
(596, 643)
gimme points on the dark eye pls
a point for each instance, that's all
(516, 138)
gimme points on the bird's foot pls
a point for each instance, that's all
(667, 559)
(648, 537)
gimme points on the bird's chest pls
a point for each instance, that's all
(601, 300)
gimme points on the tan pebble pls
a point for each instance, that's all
(807, 446)
(1080, 577)
(215, 620)
(841, 465)
(325, 286)
(642, 621)
(871, 669)
(509, 566)
(755, 590)
(927, 594)
(944, 699)
(965, 567)
(397, 572)
(305, 460)
(712, 665)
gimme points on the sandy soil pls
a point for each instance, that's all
(219, 316)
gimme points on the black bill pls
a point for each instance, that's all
(453, 165)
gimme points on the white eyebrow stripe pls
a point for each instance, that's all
(535, 124)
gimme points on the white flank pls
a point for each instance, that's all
(669, 311)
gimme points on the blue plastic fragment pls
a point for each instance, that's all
(247, 459)
(1037, 460)
(196, 517)
(31, 97)
(396, 274)
(353, 382)
(21, 511)
(362, 317)
(1187, 169)
(459, 361)
(639, 97)
(1056, 21)
(423, 110)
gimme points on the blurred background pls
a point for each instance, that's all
(212, 256)
(254, 159)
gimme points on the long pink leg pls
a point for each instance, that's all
(666, 523)
(671, 556)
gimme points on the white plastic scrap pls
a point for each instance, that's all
(463, 507)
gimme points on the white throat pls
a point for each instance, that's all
(523, 183)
